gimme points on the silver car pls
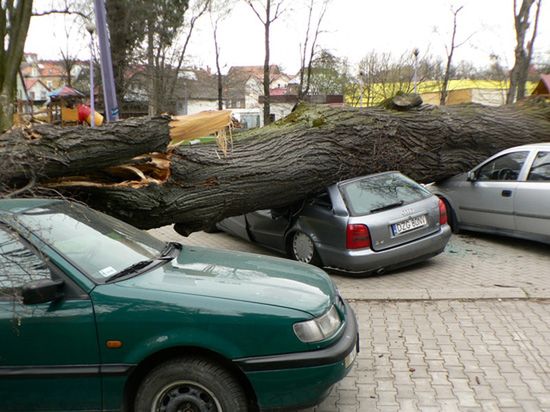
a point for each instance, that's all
(508, 194)
(367, 224)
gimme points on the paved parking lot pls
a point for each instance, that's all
(468, 330)
(449, 355)
(472, 267)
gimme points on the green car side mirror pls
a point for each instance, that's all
(41, 291)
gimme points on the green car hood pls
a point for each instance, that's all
(242, 276)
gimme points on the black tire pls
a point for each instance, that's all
(298, 239)
(451, 217)
(194, 382)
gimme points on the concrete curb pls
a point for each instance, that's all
(446, 294)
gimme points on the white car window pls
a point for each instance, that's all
(506, 167)
(540, 170)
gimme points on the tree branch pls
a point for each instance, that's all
(249, 2)
(65, 11)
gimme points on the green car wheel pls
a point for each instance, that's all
(190, 384)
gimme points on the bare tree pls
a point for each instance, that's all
(163, 25)
(15, 18)
(197, 9)
(215, 24)
(330, 74)
(68, 57)
(218, 11)
(450, 49)
(523, 52)
(382, 76)
(309, 49)
(168, 36)
(267, 12)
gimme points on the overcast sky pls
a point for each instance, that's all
(352, 28)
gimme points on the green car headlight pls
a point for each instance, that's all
(319, 328)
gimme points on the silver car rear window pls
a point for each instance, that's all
(376, 193)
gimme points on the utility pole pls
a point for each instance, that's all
(109, 94)
(91, 28)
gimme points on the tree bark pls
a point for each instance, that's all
(267, 71)
(518, 75)
(47, 152)
(218, 68)
(268, 167)
(14, 24)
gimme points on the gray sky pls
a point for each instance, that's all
(352, 29)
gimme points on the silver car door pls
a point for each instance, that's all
(532, 201)
(268, 227)
(320, 221)
(488, 202)
(235, 225)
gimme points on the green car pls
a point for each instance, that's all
(96, 315)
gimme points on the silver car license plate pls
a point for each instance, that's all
(409, 224)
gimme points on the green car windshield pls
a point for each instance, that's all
(97, 244)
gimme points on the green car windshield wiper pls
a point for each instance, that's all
(390, 206)
(168, 253)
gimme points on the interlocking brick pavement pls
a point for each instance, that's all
(444, 335)
(448, 356)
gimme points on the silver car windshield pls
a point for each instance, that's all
(376, 193)
(97, 244)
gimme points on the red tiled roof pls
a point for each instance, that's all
(51, 68)
(544, 85)
(29, 83)
(257, 71)
(545, 78)
(278, 91)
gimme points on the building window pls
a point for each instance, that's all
(49, 84)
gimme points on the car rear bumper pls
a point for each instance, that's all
(300, 380)
(368, 260)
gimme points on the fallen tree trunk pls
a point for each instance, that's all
(193, 186)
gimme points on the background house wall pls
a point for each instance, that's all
(489, 97)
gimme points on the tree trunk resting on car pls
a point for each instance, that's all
(132, 169)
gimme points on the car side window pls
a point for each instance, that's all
(323, 199)
(18, 265)
(506, 167)
(540, 170)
